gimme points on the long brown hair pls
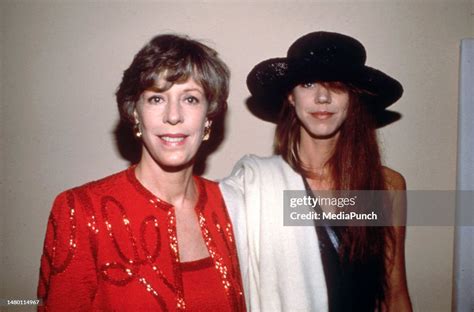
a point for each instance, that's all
(355, 164)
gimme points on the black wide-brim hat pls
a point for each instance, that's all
(318, 56)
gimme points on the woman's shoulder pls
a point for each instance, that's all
(252, 166)
(393, 179)
(255, 171)
(254, 161)
(82, 200)
(208, 185)
(108, 184)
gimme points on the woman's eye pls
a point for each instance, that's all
(192, 100)
(155, 99)
(307, 84)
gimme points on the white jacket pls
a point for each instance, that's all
(281, 265)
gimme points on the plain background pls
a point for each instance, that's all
(60, 64)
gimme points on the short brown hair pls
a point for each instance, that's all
(174, 58)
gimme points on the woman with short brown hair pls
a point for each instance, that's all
(151, 237)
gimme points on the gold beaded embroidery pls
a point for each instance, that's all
(51, 258)
(180, 303)
(136, 262)
(154, 293)
(127, 269)
(51, 267)
(219, 265)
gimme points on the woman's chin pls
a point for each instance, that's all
(322, 134)
(175, 165)
(168, 161)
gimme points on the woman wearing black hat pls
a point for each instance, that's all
(324, 100)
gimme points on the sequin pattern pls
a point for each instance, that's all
(220, 265)
(129, 250)
(131, 265)
(55, 267)
(51, 266)
(228, 238)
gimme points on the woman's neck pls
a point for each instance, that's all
(174, 187)
(315, 152)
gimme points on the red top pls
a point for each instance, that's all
(112, 245)
(203, 289)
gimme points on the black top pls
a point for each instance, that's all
(350, 286)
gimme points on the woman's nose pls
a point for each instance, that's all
(323, 95)
(173, 113)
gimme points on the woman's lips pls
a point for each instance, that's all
(173, 139)
(322, 115)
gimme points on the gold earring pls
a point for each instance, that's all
(136, 127)
(136, 130)
(207, 131)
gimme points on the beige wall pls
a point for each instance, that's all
(2, 162)
(60, 65)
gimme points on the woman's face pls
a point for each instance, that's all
(172, 123)
(320, 109)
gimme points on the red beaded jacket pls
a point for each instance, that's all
(111, 245)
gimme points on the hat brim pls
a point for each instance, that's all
(270, 81)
